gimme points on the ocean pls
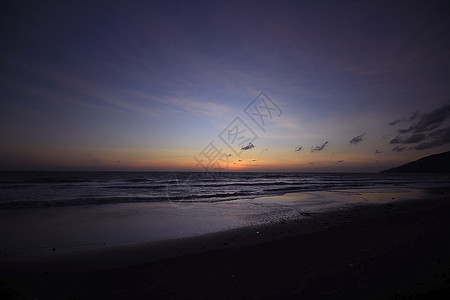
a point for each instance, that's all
(50, 189)
(46, 214)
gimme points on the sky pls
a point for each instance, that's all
(313, 86)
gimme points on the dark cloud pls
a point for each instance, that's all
(396, 140)
(415, 138)
(357, 139)
(396, 121)
(398, 149)
(414, 116)
(96, 161)
(378, 151)
(340, 161)
(411, 118)
(425, 130)
(248, 147)
(319, 148)
(435, 139)
(298, 148)
(429, 121)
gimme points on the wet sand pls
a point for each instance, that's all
(393, 249)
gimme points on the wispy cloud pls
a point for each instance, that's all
(411, 118)
(415, 138)
(184, 104)
(398, 149)
(104, 95)
(248, 147)
(63, 98)
(357, 139)
(288, 123)
(319, 148)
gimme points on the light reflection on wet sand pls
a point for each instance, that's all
(33, 233)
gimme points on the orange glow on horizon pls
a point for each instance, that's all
(123, 159)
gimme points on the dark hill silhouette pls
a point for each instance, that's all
(437, 163)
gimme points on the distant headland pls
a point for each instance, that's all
(437, 163)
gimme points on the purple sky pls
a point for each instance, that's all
(147, 85)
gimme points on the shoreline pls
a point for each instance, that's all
(356, 246)
(301, 218)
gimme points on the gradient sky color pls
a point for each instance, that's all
(147, 85)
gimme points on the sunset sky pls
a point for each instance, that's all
(354, 86)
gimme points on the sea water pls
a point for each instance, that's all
(50, 189)
(75, 211)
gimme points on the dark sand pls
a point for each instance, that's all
(390, 250)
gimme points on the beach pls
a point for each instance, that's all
(384, 248)
(225, 150)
